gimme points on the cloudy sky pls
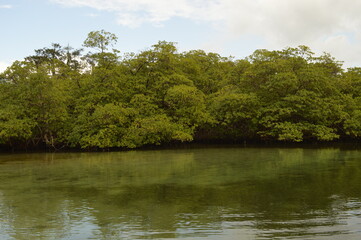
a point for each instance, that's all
(228, 27)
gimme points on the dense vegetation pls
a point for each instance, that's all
(63, 97)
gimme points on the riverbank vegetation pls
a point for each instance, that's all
(64, 97)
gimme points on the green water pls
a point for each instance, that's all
(205, 193)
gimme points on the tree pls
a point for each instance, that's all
(100, 40)
(234, 113)
(35, 102)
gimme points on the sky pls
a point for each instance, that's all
(228, 27)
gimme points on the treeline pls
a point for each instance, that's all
(63, 97)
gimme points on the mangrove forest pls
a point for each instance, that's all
(101, 98)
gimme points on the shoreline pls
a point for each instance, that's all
(197, 145)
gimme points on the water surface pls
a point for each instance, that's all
(205, 193)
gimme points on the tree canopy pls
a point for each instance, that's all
(60, 97)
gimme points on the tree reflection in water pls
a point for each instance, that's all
(207, 192)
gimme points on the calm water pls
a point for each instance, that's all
(213, 193)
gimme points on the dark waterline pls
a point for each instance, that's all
(349, 145)
(196, 193)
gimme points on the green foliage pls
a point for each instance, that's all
(352, 122)
(234, 113)
(59, 97)
(34, 108)
(186, 105)
(103, 128)
(351, 82)
(14, 125)
(208, 71)
(154, 130)
(100, 40)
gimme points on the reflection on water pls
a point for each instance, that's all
(209, 193)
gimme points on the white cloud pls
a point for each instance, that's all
(135, 12)
(6, 6)
(92, 15)
(327, 25)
